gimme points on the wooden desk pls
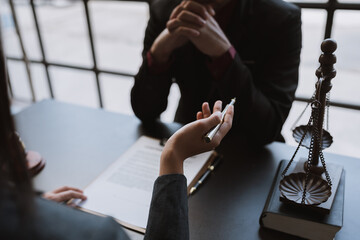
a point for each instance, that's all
(78, 143)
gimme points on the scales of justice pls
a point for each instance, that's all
(312, 183)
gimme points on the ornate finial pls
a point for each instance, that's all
(327, 60)
(328, 46)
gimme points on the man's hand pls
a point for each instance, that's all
(211, 40)
(64, 194)
(185, 22)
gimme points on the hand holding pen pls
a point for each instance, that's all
(206, 111)
(189, 140)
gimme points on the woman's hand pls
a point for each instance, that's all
(189, 140)
(64, 194)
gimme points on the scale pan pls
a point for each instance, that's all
(299, 131)
(292, 188)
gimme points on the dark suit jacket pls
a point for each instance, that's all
(263, 77)
(168, 218)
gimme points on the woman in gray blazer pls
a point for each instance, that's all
(25, 216)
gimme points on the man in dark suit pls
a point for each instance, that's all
(220, 49)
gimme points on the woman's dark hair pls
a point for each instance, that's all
(14, 177)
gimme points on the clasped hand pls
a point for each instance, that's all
(191, 21)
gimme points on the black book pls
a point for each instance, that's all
(301, 221)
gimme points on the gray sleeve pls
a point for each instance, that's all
(57, 221)
(168, 217)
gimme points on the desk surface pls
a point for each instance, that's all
(78, 143)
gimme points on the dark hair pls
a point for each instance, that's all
(14, 177)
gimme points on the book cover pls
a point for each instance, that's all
(301, 221)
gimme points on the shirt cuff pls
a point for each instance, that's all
(219, 65)
(154, 67)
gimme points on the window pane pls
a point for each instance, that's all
(313, 25)
(9, 36)
(346, 85)
(65, 33)
(119, 29)
(74, 86)
(116, 93)
(19, 80)
(28, 29)
(40, 82)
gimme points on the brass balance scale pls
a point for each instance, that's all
(313, 183)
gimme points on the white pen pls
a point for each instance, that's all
(209, 136)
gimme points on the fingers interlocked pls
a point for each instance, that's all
(188, 18)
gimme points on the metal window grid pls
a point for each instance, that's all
(331, 6)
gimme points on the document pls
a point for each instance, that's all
(124, 189)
